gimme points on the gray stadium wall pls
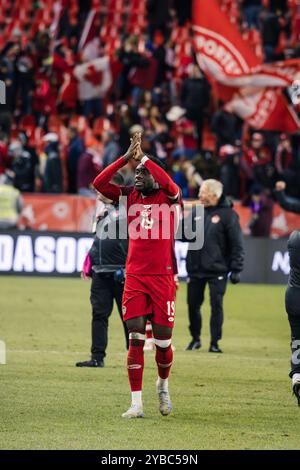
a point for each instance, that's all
(62, 254)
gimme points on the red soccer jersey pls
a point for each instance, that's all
(151, 220)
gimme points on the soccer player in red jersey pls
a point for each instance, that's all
(150, 288)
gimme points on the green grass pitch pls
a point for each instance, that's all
(239, 400)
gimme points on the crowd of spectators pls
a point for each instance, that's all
(56, 135)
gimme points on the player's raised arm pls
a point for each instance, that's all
(102, 181)
(162, 178)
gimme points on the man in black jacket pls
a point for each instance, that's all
(292, 295)
(222, 253)
(105, 264)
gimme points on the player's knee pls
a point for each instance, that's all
(136, 325)
(163, 344)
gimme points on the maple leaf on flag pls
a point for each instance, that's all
(93, 76)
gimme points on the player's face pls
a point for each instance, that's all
(143, 180)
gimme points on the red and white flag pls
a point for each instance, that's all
(252, 88)
(89, 43)
(94, 78)
(89, 31)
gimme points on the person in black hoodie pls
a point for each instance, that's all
(195, 97)
(292, 296)
(221, 254)
(53, 175)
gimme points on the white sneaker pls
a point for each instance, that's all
(133, 412)
(165, 404)
(296, 386)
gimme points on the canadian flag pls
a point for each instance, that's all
(251, 89)
(94, 78)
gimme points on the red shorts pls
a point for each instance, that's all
(152, 295)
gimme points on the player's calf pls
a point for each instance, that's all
(164, 360)
(135, 368)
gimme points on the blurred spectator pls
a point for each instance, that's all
(195, 97)
(179, 177)
(34, 157)
(207, 164)
(184, 133)
(225, 125)
(257, 162)
(230, 170)
(10, 203)
(25, 78)
(44, 102)
(24, 166)
(261, 206)
(133, 62)
(143, 77)
(111, 150)
(53, 177)
(88, 169)
(68, 93)
(158, 15)
(291, 176)
(7, 76)
(284, 154)
(270, 31)
(75, 149)
(193, 178)
(5, 160)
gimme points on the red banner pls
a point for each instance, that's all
(57, 213)
(238, 74)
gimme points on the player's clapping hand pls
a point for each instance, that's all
(280, 186)
(135, 144)
(138, 155)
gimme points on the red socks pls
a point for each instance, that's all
(164, 356)
(135, 360)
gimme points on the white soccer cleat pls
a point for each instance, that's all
(133, 412)
(165, 404)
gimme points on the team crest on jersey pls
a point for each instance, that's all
(124, 309)
(147, 221)
(215, 219)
